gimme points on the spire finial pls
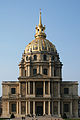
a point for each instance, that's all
(40, 22)
(40, 29)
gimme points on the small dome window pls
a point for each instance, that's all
(45, 72)
(44, 57)
(34, 71)
(35, 57)
(27, 58)
(52, 58)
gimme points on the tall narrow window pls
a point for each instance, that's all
(13, 90)
(44, 57)
(45, 71)
(46, 87)
(13, 107)
(27, 58)
(35, 57)
(66, 107)
(31, 87)
(25, 72)
(52, 58)
(34, 71)
(66, 90)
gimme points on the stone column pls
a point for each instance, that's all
(43, 88)
(59, 109)
(48, 107)
(34, 88)
(17, 107)
(41, 70)
(26, 89)
(52, 107)
(8, 108)
(58, 89)
(43, 107)
(38, 69)
(19, 89)
(62, 108)
(49, 88)
(71, 108)
(50, 70)
(52, 88)
(28, 70)
(33, 107)
(26, 108)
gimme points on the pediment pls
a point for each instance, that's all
(38, 76)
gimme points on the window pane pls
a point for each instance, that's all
(34, 71)
(66, 107)
(66, 90)
(31, 87)
(13, 90)
(45, 71)
(13, 107)
(44, 57)
(35, 57)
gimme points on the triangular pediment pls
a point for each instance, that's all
(38, 76)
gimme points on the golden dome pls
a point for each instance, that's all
(40, 44)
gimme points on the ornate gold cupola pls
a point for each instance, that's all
(40, 29)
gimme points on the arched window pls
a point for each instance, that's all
(45, 71)
(34, 71)
(52, 58)
(35, 57)
(44, 57)
(27, 58)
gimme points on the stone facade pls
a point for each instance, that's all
(40, 89)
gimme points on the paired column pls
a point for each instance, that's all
(8, 108)
(71, 108)
(52, 107)
(43, 88)
(59, 108)
(19, 88)
(26, 89)
(28, 70)
(19, 107)
(33, 88)
(48, 107)
(62, 107)
(26, 108)
(49, 88)
(58, 89)
(33, 107)
(41, 70)
(44, 108)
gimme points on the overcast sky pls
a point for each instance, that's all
(18, 19)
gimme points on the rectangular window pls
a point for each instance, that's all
(66, 90)
(31, 87)
(13, 90)
(46, 87)
(45, 71)
(66, 107)
(13, 107)
(34, 71)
